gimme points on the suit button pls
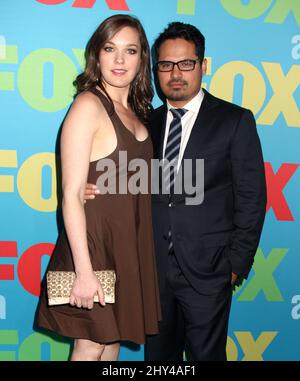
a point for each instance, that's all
(171, 204)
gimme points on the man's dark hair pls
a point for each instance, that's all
(181, 30)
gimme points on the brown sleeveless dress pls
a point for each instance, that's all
(119, 233)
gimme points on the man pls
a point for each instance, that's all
(201, 248)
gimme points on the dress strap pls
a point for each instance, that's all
(109, 107)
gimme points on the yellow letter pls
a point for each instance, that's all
(30, 182)
(231, 350)
(282, 99)
(8, 159)
(254, 90)
(252, 349)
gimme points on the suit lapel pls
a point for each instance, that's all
(198, 133)
(198, 136)
(202, 120)
(200, 127)
(158, 132)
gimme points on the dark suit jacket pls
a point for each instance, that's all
(220, 235)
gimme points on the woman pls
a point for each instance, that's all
(113, 231)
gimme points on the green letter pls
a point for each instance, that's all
(281, 10)
(31, 348)
(8, 338)
(263, 280)
(253, 9)
(186, 7)
(31, 80)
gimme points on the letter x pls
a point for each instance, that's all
(117, 5)
(275, 185)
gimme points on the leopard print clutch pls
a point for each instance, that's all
(60, 283)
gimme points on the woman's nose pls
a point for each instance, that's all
(119, 58)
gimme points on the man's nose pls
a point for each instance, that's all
(176, 73)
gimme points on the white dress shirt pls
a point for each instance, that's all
(187, 122)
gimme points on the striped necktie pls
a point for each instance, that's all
(171, 157)
(172, 149)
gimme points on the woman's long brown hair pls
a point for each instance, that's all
(140, 92)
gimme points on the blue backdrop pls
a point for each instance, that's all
(253, 50)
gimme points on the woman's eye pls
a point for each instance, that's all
(108, 49)
(132, 51)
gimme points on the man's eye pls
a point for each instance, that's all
(166, 65)
(186, 63)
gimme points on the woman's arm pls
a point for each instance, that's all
(76, 141)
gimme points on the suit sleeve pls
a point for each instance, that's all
(250, 196)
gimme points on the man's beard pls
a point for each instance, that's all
(177, 94)
(177, 97)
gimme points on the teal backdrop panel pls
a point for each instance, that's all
(253, 52)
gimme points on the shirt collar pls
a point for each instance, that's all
(193, 105)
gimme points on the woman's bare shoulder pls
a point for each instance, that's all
(88, 102)
(85, 113)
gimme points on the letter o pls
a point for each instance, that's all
(31, 80)
(254, 88)
(231, 350)
(253, 9)
(29, 182)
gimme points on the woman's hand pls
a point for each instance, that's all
(90, 192)
(85, 287)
